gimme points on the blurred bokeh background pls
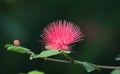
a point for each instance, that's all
(25, 19)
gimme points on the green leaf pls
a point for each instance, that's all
(116, 71)
(88, 66)
(8, 45)
(117, 59)
(48, 53)
(18, 49)
(35, 72)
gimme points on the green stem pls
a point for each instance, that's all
(57, 60)
(79, 62)
(108, 67)
(72, 61)
(67, 56)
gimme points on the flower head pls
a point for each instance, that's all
(59, 35)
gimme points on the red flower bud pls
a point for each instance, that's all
(16, 42)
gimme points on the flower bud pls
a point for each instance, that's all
(16, 42)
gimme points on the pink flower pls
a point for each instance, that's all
(16, 42)
(59, 35)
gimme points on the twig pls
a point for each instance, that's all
(57, 60)
(108, 67)
(78, 62)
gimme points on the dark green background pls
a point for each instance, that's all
(25, 19)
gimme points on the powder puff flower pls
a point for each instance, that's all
(59, 35)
